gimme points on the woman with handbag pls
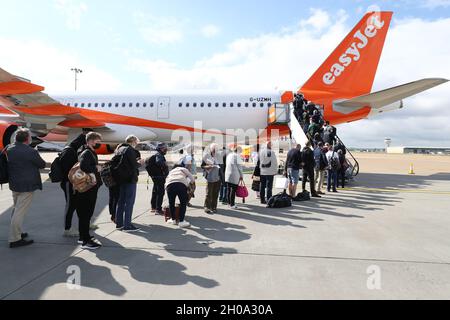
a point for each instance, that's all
(85, 202)
(233, 174)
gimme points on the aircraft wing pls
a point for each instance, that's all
(387, 97)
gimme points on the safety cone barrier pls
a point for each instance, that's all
(411, 169)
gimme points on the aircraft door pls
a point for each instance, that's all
(163, 108)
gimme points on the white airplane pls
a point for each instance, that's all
(341, 86)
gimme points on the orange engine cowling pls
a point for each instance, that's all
(6, 132)
(105, 149)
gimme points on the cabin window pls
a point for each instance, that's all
(137, 105)
(117, 105)
(96, 105)
(145, 105)
(202, 105)
(239, 105)
(187, 105)
(180, 105)
(254, 104)
(246, 105)
(224, 105)
(209, 105)
(130, 105)
(152, 105)
(217, 104)
(195, 105)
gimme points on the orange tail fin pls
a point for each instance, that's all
(351, 68)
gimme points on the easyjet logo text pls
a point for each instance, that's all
(353, 53)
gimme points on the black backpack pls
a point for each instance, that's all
(281, 200)
(155, 170)
(57, 173)
(303, 196)
(107, 174)
(334, 163)
(120, 168)
(4, 174)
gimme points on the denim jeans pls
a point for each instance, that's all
(126, 204)
(223, 196)
(266, 183)
(332, 180)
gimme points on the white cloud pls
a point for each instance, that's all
(415, 49)
(72, 10)
(319, 19)
(160, 30)
(210, 31)
(50, 67)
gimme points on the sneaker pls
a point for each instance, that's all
(119, 228)
(320, 192)
(207, 211)
(71, 234)
(20, 243)
(91, 245)
(81, 241)
(24, 235)
(153, 211)
(234, 207)
(172, 222)
(335, 191)
(315, 195)
(159, 212)
(184, 224)
(93, 227)
(214, 211)
(131, 229)
(189, 205)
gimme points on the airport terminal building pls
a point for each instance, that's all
(417, 150)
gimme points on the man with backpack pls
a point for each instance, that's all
(127, 173)
(158, 170)
(68, 158)
(23, 164)
(308, 164)
(333, 168)
(321, 165)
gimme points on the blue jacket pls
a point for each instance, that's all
(24, 163)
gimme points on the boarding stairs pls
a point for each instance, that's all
(283, 114)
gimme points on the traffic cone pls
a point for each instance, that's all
(411, 169)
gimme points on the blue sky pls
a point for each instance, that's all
(222, 46)
(107, 33)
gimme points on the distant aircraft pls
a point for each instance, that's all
(341, 86)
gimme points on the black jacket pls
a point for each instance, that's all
(88, 163)
(24, 163)
(294, 159)
(308, 159)
(157, 166)
(131, 161)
